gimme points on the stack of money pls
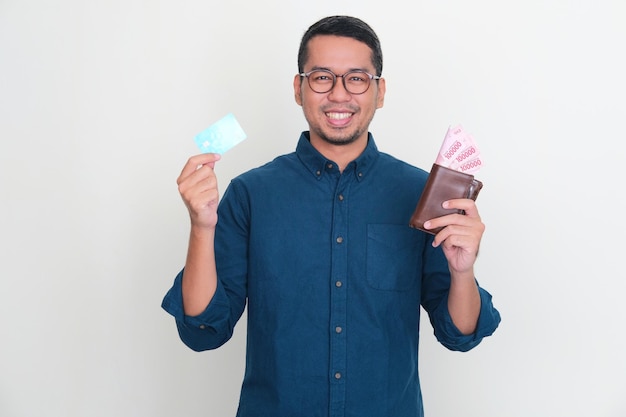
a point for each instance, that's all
(459, 151)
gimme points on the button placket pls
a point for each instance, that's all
(339, 271)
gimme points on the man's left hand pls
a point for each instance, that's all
(461, 234)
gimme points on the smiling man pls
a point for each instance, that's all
(317, 244)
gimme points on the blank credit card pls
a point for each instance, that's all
(221, 135)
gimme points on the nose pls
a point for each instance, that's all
(339, 92)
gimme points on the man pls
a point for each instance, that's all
(317, 244)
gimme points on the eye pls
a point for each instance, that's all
(358, 78)
(321, 76)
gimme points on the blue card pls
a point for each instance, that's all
(220, 136)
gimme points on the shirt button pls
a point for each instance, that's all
(318, 173)
(360, 174)
(329, 166)
(340, 197)
(202, 326)
(338, 329)
(337, 375)
(338, 284)
(339, 239)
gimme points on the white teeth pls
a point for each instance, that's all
(338, 116)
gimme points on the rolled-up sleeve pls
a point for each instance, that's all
(208, 330)
(451, 337)
(434, 299)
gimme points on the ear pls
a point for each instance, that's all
(382, 88)
(297, 89)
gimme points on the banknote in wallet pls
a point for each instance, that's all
(450, 177)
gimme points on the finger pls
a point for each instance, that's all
(201, 179)
(466, 204)
(456, 225)
(201, 195)
(467, 239)
(196, 162)
(448, 219)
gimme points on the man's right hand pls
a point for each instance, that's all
(197, 185)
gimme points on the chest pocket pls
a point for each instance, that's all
(394, 256)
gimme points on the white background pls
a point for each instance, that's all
(99, 104)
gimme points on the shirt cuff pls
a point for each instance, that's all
(451, 337)
(209, 318)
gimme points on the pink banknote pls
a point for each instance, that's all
(459, 151)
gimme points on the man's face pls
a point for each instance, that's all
(338, 117)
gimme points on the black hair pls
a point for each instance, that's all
(345, 26)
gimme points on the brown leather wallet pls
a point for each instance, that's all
(443, 184)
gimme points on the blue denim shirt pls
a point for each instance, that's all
(333, 278)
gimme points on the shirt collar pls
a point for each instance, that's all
(317, 164)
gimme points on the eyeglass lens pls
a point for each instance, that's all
(355, 82)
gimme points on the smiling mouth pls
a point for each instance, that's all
(338, 116)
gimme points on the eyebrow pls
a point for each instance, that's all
(349, 70)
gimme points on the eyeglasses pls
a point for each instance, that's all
(355, 82)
